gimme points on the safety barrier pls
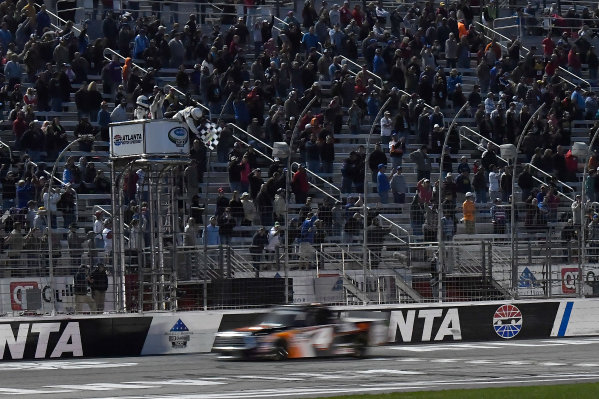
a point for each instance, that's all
(194, 332)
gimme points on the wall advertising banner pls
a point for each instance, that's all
(191, 332)
(15, 293)
(66, 338)
(564, 280)
(472, 323)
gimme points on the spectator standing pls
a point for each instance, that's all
(80, 283)
(386, 128)
(300, 185)
(399, 186)
(423, 162)
(479, 183)
(99, 285)
(494, 183)
(498, 217)
(212, 232)
(397, 147)
(107, 238)
(376, 158)
(383, 185)
(375, 237)
(469, 213)
(259, 242)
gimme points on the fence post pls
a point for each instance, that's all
(221, 266)
(277, 259)
(549, 263)
(490, 261)
(228, 261)
(483, 260)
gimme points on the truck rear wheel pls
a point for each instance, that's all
(361, 347)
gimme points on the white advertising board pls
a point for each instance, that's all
(13, 298)
(126, 139)
(156, 137)
(185, 332)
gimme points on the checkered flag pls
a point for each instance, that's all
(210, 134)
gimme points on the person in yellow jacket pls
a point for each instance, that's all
(469, 211)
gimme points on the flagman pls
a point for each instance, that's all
(190, 116)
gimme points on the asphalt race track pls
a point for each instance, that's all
(389, 369)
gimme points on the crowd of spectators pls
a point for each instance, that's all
(432, 58)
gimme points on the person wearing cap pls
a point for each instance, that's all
(40, 221)
(383, 185)
(386, 128)
(274, 239)
(140, 43)
(469, 213)
(494, 182)
(334, 15)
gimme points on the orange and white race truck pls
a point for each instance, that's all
(300, 331)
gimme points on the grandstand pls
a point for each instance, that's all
(254, 70)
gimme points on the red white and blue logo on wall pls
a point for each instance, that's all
(179, 335)
(507, 321)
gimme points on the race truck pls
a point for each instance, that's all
(299, 331)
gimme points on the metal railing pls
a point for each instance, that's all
(569, 188)
(561, 69)
(272, 160)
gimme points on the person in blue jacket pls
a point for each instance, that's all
(382, 183)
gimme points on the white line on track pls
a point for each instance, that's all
(62, 365)
(379, 387)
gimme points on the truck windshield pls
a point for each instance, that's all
(285, 317)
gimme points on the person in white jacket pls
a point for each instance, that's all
(190, 116)
(119, 113)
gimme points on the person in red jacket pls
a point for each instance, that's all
(18, 128)
(572, 164)
(574, 64)
(300, 185)
(551, 66)
(357, 15)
